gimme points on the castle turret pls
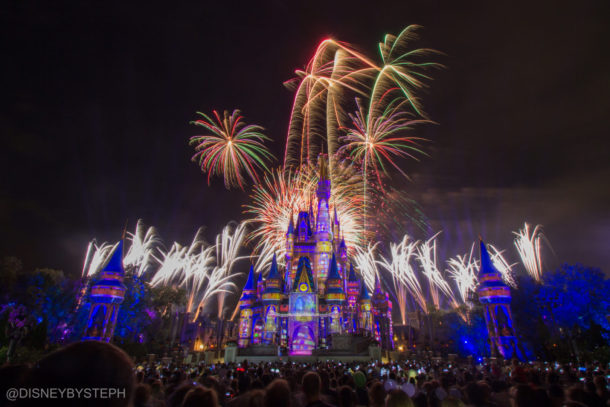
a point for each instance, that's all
(382, 316)
(290, 235)
(366, 314)
(495, 297)
(260, 286)
(303, 326)
(246, 302)
(335, 297)
(272, 296)
(336, 228)
(106, 298)
(324, 246)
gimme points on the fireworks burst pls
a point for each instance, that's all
(96, 257)
(230, 148)
(528, 247)
(337, 73)
(426, 255)
(463, 270)
(228, 244)
(500, 263)
(283, 193)
(140, 255)
(365, 262)
(403, 274)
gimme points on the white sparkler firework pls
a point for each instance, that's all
(502, 265)
(265, 256)
(143, 244)
(426, 254)
(365, 261)
(463, 270)
(529, 250)
(228, 244)
(96, 257)
(403, 275)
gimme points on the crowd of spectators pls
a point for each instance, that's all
(321, 384)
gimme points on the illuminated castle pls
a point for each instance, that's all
(494, 294)
(318, 294)
(106, 298)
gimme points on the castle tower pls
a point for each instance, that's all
(260, 285)
(303, 306)
(290, 237)
(342, 259)
(495, 297)
(366, 313)
(272, 296)
(352, 289)
(246, 301)
(336, 225)
(382, 317)
(323, 235)
(335, 298)
(106, 298)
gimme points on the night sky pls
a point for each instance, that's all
(97, 98)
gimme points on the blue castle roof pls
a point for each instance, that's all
(273, 272)
(488, 273)
(115, 264)
(364, 292)
(333, 270)
(352, 274)
(250, 282)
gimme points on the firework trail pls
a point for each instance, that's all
(403, 274)
(528, 247)
(337, 73)
(502, 265)
(228, 244)
(265, 256)
(365, 262)
(463, 270)
(140, 255)
(96, 257)
(371, 140)
(317, 109)
(426, 255)
(230, 148)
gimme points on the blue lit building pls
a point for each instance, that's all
(106, 297)
(318, 293)
(494, 294)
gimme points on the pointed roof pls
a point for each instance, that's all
(260, 278)
(378, 293)
(311, 217)
(364, 293)
(487, 266)
(115, 264)
(291, 225)
(342, 245)
(273, 272)
(304, 274)
(352, 274)
(250, 282)
(489, 276)
(336, 220)
(333, 270)
(323, 167)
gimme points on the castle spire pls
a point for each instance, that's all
(290, 230)
(250, 282)
(323, 174)
(273, 272)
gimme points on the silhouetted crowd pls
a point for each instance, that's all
(288, 384)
